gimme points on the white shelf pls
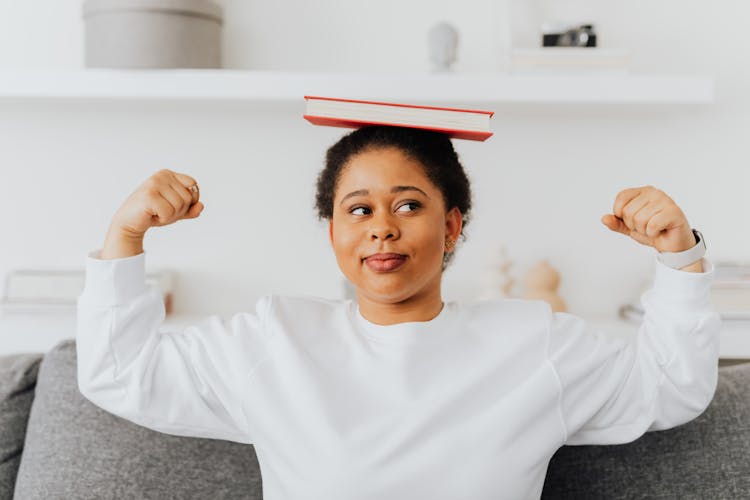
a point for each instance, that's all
(236, 85)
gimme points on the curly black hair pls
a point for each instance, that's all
(432, 149)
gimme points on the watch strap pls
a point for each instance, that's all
(678, 260)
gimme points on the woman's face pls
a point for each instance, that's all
(389, 226)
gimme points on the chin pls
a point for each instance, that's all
(381, 299)
(388, 295)
(389, 288)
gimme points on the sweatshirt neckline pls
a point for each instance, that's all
(404, 333)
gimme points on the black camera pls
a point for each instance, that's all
(573, 36)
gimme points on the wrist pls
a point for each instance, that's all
(121, 243)
(689, 259)
(685, 242)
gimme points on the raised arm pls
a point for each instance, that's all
(189, 382)
(615, 390)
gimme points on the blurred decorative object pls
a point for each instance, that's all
(542, 282)
(498, 282)
(570, 59)
(558, 35)
(443, 41)
(152, 33)
(40, 291)
(505, 264)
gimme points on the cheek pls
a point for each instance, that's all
(344, 241)
(432, 237)
(437, 246)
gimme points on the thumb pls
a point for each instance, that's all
(615, 224)
(194, 211)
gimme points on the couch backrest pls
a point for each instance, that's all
(77, 450)
(708, 457)
(18, 375)
(74, 449)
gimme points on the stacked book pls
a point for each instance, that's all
(730, 296)
(730, 292)
(34, 291)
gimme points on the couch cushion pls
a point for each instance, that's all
(74, 449)
(17, 379)
(704, 458)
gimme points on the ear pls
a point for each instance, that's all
(330, 231)
(454, 221)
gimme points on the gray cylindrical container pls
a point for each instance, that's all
(152, 33)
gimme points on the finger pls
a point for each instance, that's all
(185, 180)
(190, 185)
(644, 217)
(162, 211)
(174, 198)
(622, 199)
(188, 198)
(641, 218)
(195, 194)
(185, 199)
(615, 224)
(657, 223)
(194, 211)
(633, 207)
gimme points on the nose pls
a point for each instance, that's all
(383, 228)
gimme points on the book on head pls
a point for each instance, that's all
(351, 113)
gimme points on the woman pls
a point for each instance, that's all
(397, 394)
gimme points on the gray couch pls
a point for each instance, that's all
(57, 445)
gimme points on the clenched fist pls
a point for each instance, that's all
(164, 198)
(651, 218)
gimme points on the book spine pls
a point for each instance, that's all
(338, 122)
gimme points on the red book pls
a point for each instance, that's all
(350, 113)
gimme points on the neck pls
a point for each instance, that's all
(419, 307)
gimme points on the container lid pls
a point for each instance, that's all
(200, 8)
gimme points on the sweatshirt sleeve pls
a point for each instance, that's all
(613, 389)
(188, 382)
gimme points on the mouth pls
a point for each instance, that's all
(384, 262)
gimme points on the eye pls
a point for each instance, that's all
(413, 205)
(362, 210)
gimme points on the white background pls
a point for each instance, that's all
(541, 184)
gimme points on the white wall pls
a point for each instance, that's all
(541, 183)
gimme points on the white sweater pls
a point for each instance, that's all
(472, 404)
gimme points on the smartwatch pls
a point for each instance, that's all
(678, 260)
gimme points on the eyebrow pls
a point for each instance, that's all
(394, 189)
